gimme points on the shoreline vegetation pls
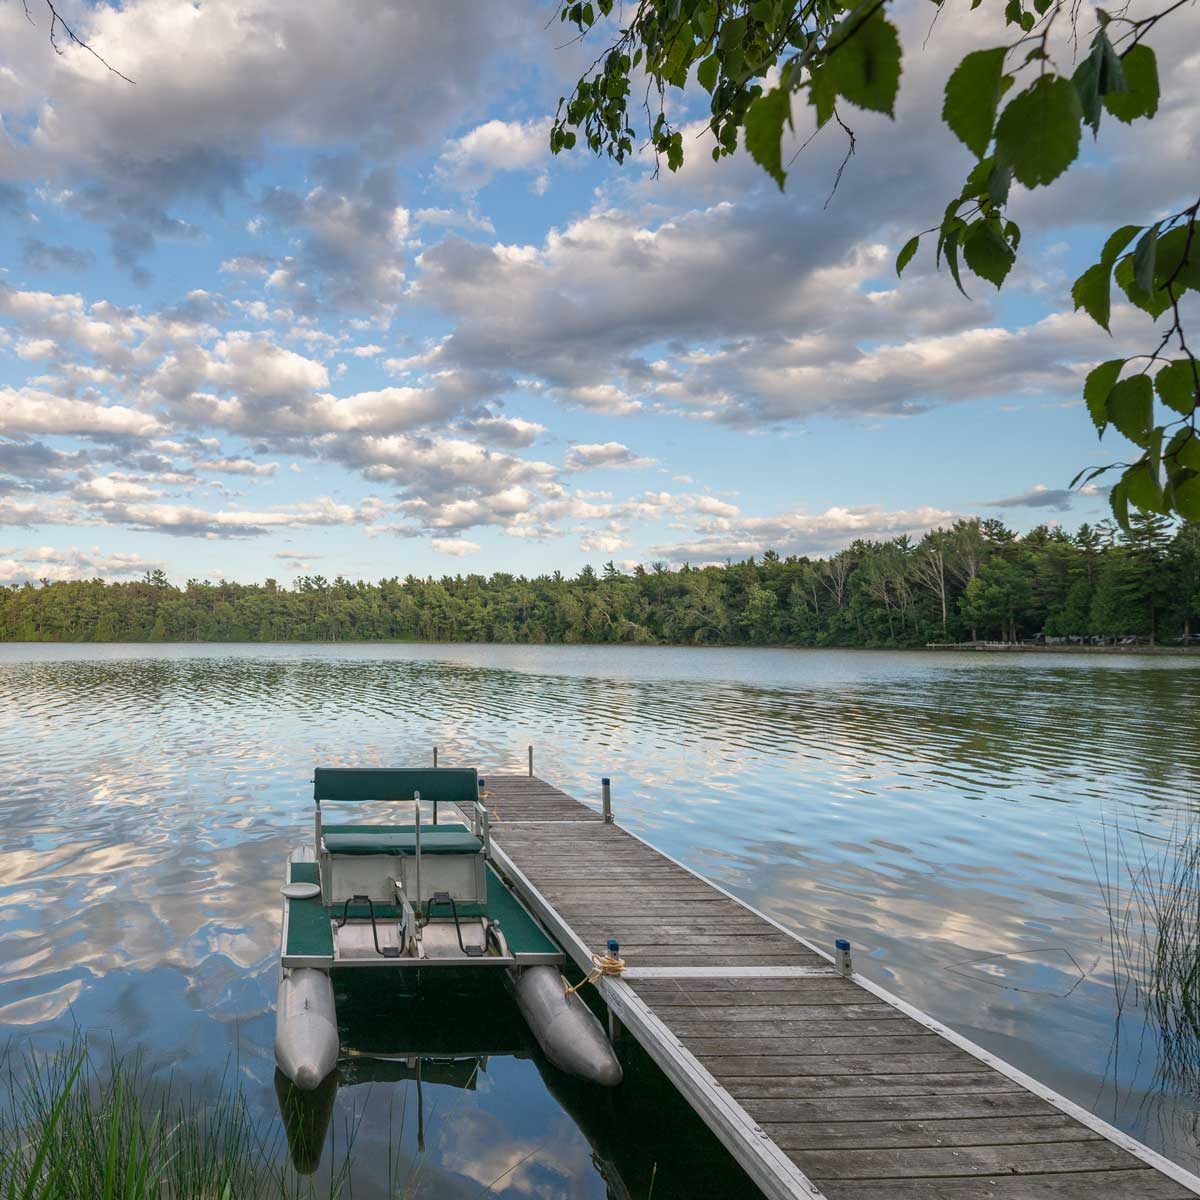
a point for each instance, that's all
(977, 585)
(78, 1122)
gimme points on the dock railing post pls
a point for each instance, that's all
(606, 799)
(435, 756)
(842, 957)
(531, 761)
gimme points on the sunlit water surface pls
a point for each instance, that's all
(946, 813)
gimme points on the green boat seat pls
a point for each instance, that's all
(400, 840)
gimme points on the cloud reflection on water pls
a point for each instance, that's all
(930, 807)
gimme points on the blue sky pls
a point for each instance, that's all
(311, 296)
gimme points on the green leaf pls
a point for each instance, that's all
(822, 93)
(1143, 259)
(1170, 265)
(987, 253)
(906, 254)
(1038, 131)
(1118, 499)
(972, 97)
(733, 33)
(1100, 381)
(865, 62)
(1092, 292)
(1140, 70)
(1143, 487)
(1187, 497)
(706, 73)
(1117, 242)
(1098, 74)
(675, 152)
(1130, 408)
(1155, 303)
(1176, 386)
(764, 132)
(999, 181)
(951, 250)
(1112, 74)
(1184, 449)
(1087, 83)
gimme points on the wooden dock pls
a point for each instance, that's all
(819, 1085)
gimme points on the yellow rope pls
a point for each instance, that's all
(602, 964)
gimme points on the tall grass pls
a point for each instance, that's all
(72, 1130)
(1152, 896)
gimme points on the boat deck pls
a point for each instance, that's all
(308, 928)
(819, 1085)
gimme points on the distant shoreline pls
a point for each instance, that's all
(1020, 648)
(929, 648)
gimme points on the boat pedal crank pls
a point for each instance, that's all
(359, 901)
(443, 898)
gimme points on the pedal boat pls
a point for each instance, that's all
(415, 899)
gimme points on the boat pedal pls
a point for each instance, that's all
(473, 951)
(390, 952)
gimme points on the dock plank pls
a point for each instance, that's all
(813, 1087)
(885, 1135)
(1137, 1183)
(1038, 1158)
(819, 1085)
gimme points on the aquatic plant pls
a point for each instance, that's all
(1151, 893)
(73, 1127)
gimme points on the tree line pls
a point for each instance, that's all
(975, 581)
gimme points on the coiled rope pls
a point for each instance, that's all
(602, 964)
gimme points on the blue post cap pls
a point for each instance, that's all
(842, 944)
(605, 779)
(613, 946)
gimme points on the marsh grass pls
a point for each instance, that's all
(72, 1128)
(1151, 892)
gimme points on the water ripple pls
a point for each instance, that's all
(934, 808)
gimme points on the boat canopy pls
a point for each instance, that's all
(445, 785)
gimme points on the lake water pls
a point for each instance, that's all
(947, 813)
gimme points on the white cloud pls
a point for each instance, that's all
(719, 538)
(589, 456)
(456, 547)
(26, 564)
(452, 218)
(115, 487)
(182, 520)
(231, 73)
(470, 161)
(236, 466)
(27, 410)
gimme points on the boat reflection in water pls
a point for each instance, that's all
(444, 1038)
(640, 1134)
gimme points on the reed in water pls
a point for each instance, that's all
(1152, 895)
(71, 1127)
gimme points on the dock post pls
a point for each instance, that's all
(614, 1022)
(531, 761)
(842, 958)
(606, 799)
(435, 757)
